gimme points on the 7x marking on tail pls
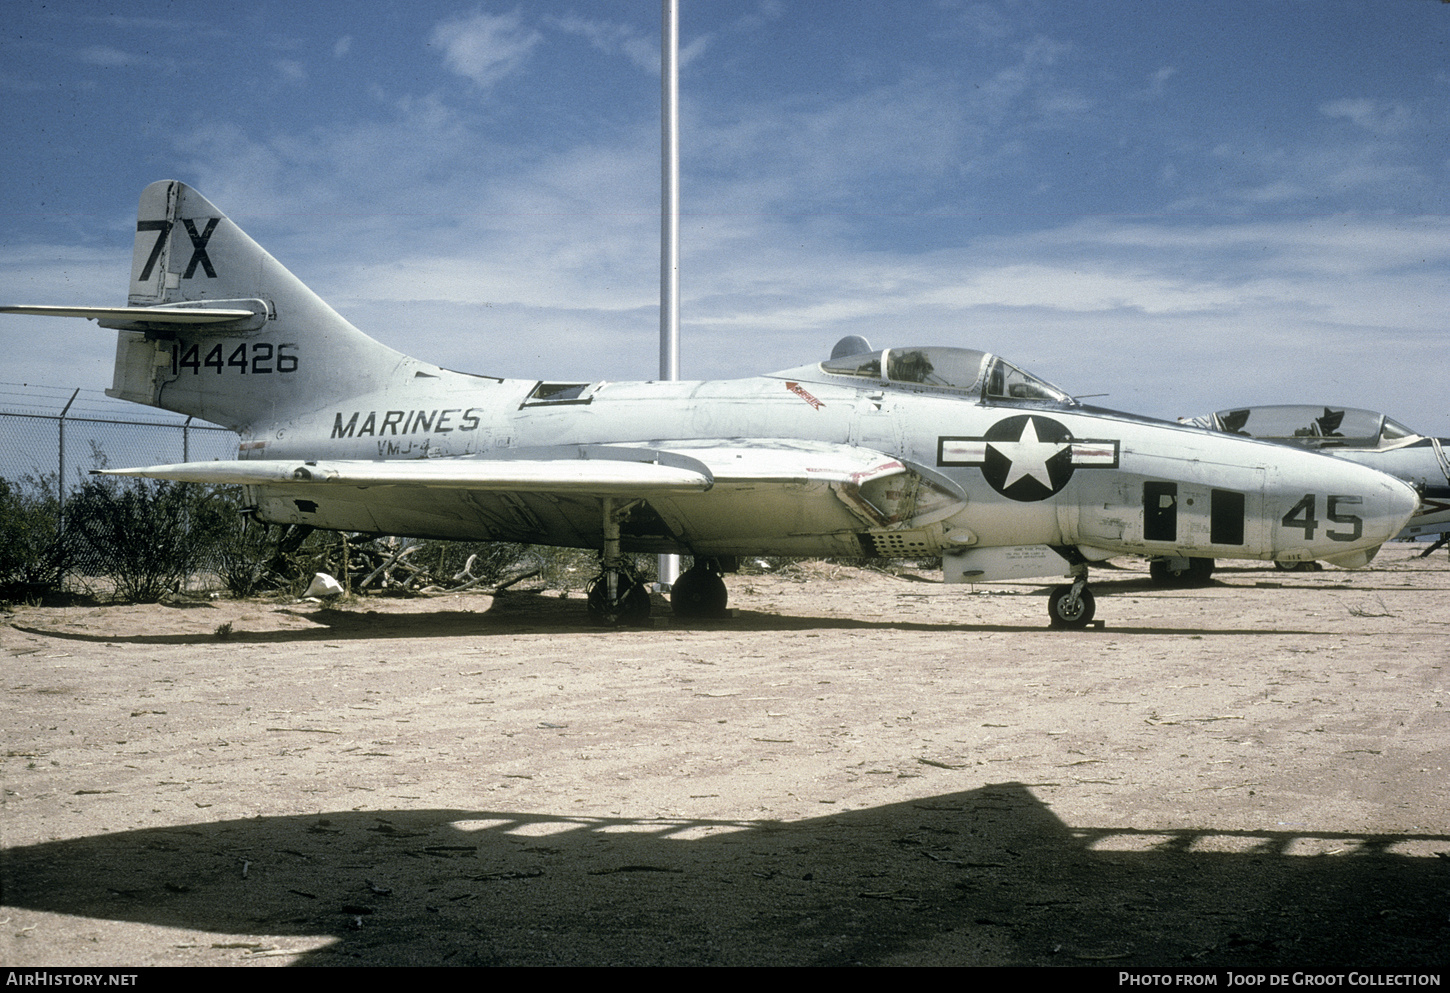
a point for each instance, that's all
(198, 246)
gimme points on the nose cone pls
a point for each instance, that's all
(1383, 505)
(1401, 502)
(1388, 504)
(1336, 510)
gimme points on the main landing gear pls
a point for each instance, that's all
(700, 591)
(616, 596)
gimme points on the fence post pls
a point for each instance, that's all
(60, 483)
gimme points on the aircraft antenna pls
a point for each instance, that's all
(669, 565)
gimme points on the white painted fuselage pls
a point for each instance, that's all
(919, 451)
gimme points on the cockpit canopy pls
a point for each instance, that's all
(1313, 426)
(963, 370)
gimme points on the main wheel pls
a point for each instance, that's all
(630, 607)
(699, 593)
(1067, 611)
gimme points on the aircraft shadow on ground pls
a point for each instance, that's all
(986, 876)
(523, 612)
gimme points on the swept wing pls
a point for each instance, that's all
(695, 494)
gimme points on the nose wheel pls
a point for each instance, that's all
(1071, 606)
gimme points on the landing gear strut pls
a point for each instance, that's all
(1071, 606)
(700, 591)
(616, 596)
(1439, 543)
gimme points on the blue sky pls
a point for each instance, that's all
(1184, 206)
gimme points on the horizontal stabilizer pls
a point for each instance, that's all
(157, 318)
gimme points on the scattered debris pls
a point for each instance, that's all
(938, 765)
(1384, 611)
(507, 874)
(323, 586)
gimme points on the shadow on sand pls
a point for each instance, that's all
(987, 877)
(524, 613)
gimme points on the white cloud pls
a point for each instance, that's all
(484, 47)
(642, 50)
(1158, 83)
(615, 38)
(108, 57)
(290, 71)
(75, 351)
(796, 157)
(1376, 116)
(765, 13)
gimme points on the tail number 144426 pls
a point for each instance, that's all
(259, 358)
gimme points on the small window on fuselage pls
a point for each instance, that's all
(559, 393)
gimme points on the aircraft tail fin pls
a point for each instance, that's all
(219, 329)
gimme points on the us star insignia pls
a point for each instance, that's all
(1028, 456)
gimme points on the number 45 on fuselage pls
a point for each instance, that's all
(914, 452)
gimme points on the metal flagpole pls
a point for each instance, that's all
(669, 565)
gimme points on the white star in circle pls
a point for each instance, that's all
(1028, 456)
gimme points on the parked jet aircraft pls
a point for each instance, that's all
(1362, 436)
(917, 451)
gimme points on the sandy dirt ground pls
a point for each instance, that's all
(855, 768)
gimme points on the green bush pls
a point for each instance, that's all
(147, 537)
(245, 558)
(139, 540)
(31, 549)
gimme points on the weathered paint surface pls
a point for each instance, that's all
(913, 451)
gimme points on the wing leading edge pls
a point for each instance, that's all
(601, 469)
(598, 476)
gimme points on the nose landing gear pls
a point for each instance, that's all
(1071, 606)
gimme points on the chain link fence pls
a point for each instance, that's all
(62, 528)
(50, 441)
(58, 435)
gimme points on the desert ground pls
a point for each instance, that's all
(856, 768)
